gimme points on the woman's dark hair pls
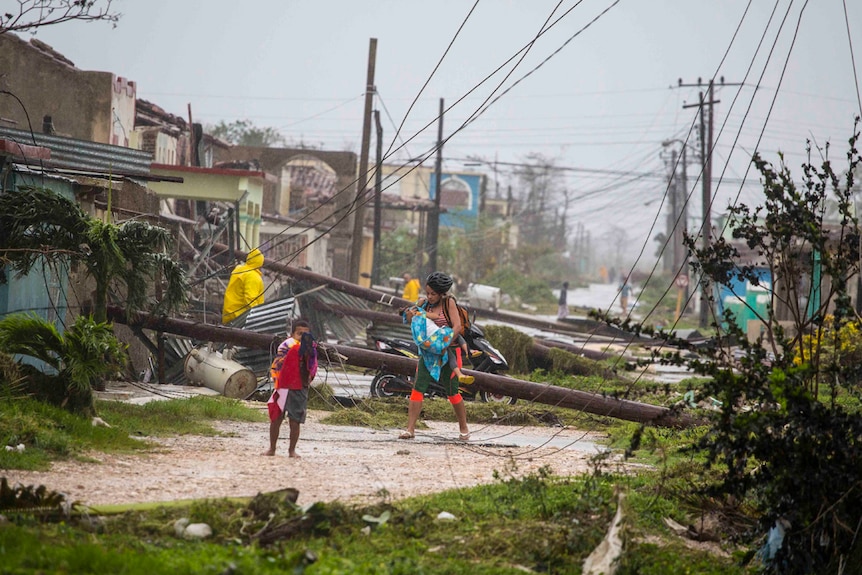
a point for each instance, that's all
(439, 282)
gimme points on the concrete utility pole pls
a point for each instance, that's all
(358, 204)
(678, 222)
(434, 220)
(706, 167)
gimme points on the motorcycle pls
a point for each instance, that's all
(483, 357)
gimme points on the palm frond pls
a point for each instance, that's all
(12, 383)
(136, 235)
(144, 245)
(33, 218)
(104, 256)
(91, 352)
(29, 334)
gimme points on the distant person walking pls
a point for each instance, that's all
(245, 287)
(411, 288)
(625, 291)
(563, 305)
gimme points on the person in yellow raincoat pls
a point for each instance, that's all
(245, 288)
(411, 288)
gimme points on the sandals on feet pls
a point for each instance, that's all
(464, 436)
(406, 435)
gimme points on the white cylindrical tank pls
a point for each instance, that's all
(207, 367)
(486, 296)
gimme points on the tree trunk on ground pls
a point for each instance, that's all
(543, 393)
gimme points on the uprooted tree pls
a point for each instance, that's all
(787, 438)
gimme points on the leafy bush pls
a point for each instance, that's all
(86, 353)
(780, 446)
(513, 344)
(834, 344)
(11, 380)
(795, 455)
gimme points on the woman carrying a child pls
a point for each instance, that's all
(434, 341)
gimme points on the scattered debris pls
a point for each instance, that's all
(380, 520)
(198, 531)
(605, 558)
(677, 528)
(706, 532)
(774, 541)
(445, 516)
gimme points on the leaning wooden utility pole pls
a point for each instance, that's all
(378, 207)
(434, 219)
(358, 204)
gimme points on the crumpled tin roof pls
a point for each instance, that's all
(274, 318)
(329, 326)
(85, 155)
(271, 318)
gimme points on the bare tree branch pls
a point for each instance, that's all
(33, 14)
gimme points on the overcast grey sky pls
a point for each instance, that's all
(604, 102)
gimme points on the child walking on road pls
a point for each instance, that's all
(290, 396)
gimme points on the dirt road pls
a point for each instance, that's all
(338, 463)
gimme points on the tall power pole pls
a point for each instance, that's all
(378, 208)
(358, 204)
(706, 168)
(671, 257)
(434, 219)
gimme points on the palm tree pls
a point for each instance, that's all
(84, 354)
(37, 224)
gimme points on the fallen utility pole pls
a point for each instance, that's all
(542, 393)
(569, 327)
(319, 279)
(541, 350)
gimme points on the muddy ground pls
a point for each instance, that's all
(350, 464)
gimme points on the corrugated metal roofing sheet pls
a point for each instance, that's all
(272, 318)
(84, 155)
(343, 329)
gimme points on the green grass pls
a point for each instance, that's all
(177, 417)
(50, 433)
(389, 413)
(539, 522)
(652, 559)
